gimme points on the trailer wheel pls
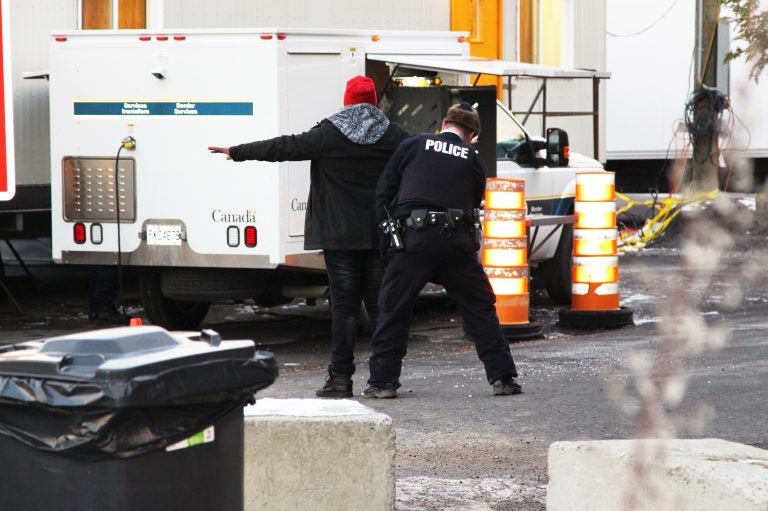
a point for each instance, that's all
(556, 272)
(170, 314)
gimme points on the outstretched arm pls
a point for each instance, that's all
(220, 150)
(303, 146)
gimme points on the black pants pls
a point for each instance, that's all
(447, 256)
(355, 277)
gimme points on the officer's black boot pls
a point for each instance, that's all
(337, 385)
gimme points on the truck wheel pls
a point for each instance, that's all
(556, 272)
(195, 284)
(170, 314)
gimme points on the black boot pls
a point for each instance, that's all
(336, 385)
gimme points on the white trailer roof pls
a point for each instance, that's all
(479, 65)
(417, 35)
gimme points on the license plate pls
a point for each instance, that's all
(163, 234)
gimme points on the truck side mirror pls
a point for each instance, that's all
(558, 150)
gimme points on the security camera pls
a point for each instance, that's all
(159, 73)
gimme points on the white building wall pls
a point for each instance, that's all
(31, 22)
(352, 14)
(589, 53)
(584, 47)
(649, 51)
(589, 34)
(509, 40)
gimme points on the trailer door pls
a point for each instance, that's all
(314, 90)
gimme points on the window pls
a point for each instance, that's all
(542, 26)
(113, 14)
(527, 19)
(475, 30)
(511, 139)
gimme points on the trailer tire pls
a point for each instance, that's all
(556, 272)
(195, 284)
(162, 311)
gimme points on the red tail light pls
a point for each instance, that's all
(250, 236)
(79, 233)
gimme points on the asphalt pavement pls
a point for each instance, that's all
(698, 342)
(694, 364)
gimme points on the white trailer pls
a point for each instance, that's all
(650, 51)
(203, 229)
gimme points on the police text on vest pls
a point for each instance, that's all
(439, 146)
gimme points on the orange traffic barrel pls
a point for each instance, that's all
(595, 271)
(504, 256)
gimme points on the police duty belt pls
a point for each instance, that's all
(421, 218)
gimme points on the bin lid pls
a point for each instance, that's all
(132, 366)
(116, 354)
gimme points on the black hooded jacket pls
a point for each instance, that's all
(348, 152)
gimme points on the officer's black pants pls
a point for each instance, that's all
(446, 256)
(355, 277)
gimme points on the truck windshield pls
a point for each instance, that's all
(511, 139)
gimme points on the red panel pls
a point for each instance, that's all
(3, 148)
(7, 169)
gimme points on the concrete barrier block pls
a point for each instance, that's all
(318, 454)
(679, 475)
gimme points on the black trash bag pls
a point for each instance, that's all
(97, 414)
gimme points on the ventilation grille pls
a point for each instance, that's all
(89, 189)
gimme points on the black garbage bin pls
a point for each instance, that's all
(131, 418)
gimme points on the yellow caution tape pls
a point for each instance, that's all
(666, 210)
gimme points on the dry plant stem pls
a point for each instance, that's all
(683, 334)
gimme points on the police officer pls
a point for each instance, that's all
(431, 186)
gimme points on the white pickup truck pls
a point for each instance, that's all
(509, 150)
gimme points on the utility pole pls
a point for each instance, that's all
(706, 104)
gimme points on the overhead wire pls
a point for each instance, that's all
(647, 28)
(708, 112)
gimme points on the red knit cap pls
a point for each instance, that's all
(360, 89)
